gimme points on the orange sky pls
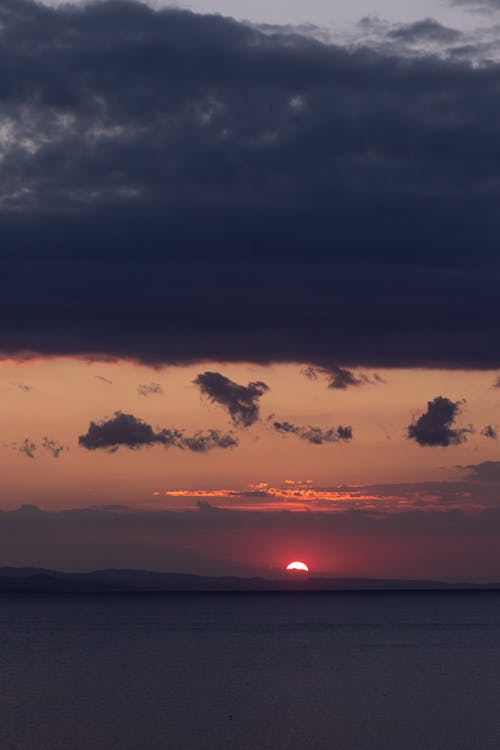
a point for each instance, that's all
(65, 394)
(378, 505)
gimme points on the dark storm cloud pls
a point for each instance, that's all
(179, 187)
(314, 435)
(436, 426)
(242, 402)
(149, 390)
(489, 432)
(130, 432)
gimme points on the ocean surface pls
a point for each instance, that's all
(338, 671)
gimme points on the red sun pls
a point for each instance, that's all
(296, 565)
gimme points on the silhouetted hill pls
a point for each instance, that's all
(41, 581)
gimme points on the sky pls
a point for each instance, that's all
(250, 287)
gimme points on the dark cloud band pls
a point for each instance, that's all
(177, 187)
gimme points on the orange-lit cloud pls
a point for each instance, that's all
(294, 495)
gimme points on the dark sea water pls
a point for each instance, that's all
(259, 672)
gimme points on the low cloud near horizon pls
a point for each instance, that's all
(446, 544)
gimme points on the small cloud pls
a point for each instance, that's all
(23, 387)
(103, 379)
(341, 378)
(242, 402)
(28, 448)
(148, 390)
(436, 426)
(53, 447)
(489, 432)
(314, 435)
(310, 372)
(126, 430)
(202, 442)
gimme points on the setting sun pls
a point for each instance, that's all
(298, 566)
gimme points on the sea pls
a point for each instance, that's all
(273, 671)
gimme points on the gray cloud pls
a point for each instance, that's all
(242, 402)
(126, 430)
(314, 435)
(149, 390)
(436, 426)
(424, 31)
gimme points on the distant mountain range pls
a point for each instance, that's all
(41, 581)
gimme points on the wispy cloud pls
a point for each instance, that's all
(314, 435)
(153, 389)
(30, 448)
(340, 378)
(103, 379)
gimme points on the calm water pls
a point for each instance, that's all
(260, 672)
